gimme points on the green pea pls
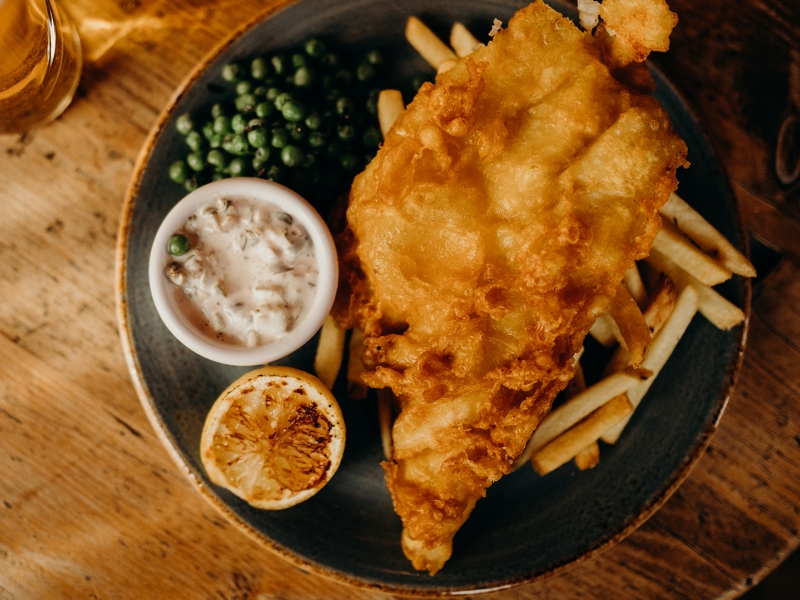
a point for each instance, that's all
(265, 109)
(227, 143)
(195, 140)
(291, 156)
(259, 68)
(244, 87)
(222, 124)
(253, 123)
(231, 72)
(218, 175)
(238, 167)
(208, 130)
(315, 48)
(297, 131)
(184, 124)
(260, 91)
(262, 154)
(372, 102)
(280, 137)
(317, 139)
(372, 137)
(344, 106)
(196, 161)
(374, 57)
(218, 159)
(178, 171)
(313, 121)
(282, 99)
(258, 165)
(218, 110)
(275, 173)
(344, 78)
(246, 103)
(258, 138)
(239, 144)
(331, 60)
(348, 161)
(308, 161)
(279, 64)
(333, 94)
(216, 140)
(238, 123)
(190, 185)
(365, 72)
(346, 132)
(178, 245)
(294, 111)
(304, 77)
(299, 61)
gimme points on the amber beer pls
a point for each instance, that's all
(40, 63)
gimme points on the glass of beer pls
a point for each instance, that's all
(40, 63)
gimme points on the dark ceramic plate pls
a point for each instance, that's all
(527, 527)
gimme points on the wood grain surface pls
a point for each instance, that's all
(91, 506)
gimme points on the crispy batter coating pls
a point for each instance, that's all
(485, 238)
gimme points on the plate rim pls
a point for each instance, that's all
(170, 444)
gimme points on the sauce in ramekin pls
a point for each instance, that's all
(250, 272)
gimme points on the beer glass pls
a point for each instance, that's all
(40, 63)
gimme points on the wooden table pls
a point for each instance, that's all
(91, 505)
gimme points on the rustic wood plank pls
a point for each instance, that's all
(91, 505)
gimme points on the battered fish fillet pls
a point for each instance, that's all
(488, 234)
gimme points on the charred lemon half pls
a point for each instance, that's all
(274, 438)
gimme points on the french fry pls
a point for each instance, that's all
(462, 41)
(630, 323)
(430, 47)
(658, 311)
(701, 232)
(572, 411)
(660, 350)
(567, 445)
(355, 366)
(330, 352)
(589, 457)
(385, 401)
(633, 281)
(605, 330)
(446, 65)
(691, 259)
(722, 313)
(390, 106)
(661, 304)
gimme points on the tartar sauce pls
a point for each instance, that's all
(250, 273)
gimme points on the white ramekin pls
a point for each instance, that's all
(163, 292)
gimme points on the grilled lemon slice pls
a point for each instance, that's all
(274, 438)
